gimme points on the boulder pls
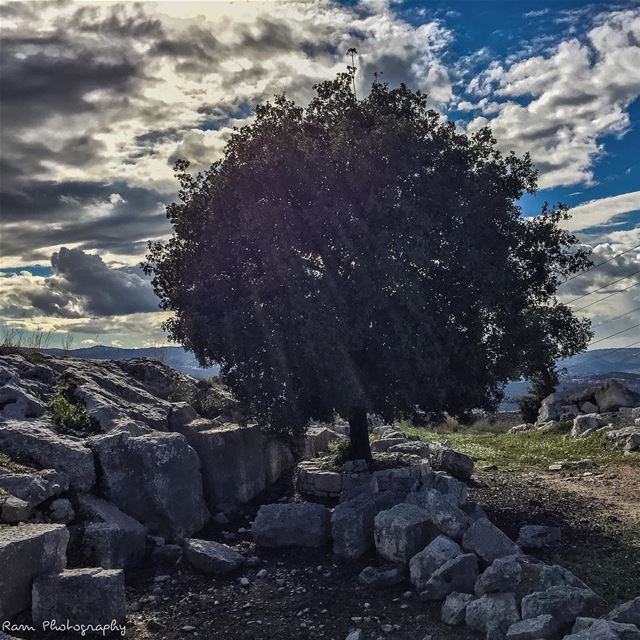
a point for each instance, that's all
(13, 509)
(613, 395)
(487, 541)
(287, 525)
(317, 441)
(37, 441)
(457, 464)
(352, 523)
(628, 612)
(27, 551)
(589, 407)
(586, 423)
(180, 415)
(456, 575)
(542, 627)
(453, 490)
(238, 463)
(414, 448)
(19, 403)
(565, 604)
(384, 576)
(318, 484)
(499, 609)
(34, 487)
(454, 608)
(535, 536)
(424, 564)
(402, 531)
(600, 630)
(92, 596)
(624, 631)
(153, 477)
(211, 557)
(61, 510)
(401, 480)
(445, 516)
(384, 444)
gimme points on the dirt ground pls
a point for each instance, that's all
(309, 595)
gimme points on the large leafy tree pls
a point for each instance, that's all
(361, 256)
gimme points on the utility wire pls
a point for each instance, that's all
(595, 266)
(584, 295)
(609, 351)
(615, 334)
(635, 284)
(622, 315)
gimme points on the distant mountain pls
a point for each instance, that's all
(175, 357)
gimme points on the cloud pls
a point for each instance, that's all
(82, 285)
(561, 105)
(602, 211)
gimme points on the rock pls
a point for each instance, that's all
(521, 428)
(166, 554)
(27, 551)
(533, 536)
(445, 516)
(423, 565)
(454, 608)
(35, 440)
(415, 448)
(355, 635)
(112, 538)
(589, 407)
(317, 441)
(632, 413)
(459, 465)
(180, 415)
(613, 395)
(629, 437)
(352, 523)
(93, 596)
(586, 423)
(629, 612)
(453, 490)
(456, 575)
(623, 631)
(401, 480)
(238, 463)
(35, 487)
(13, 509)
(402, 531)
(153, 477)
(565, 604)
(19, 403)
(496, 608)
(599, 630)
(384, 444)
(61, 510)
(487, 541)
(284, 525)
(385, 576)
(523, 575)
(315, 483)
(212, 558)
(540, 628)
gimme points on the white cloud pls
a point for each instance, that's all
(561, 105)
(596, 213)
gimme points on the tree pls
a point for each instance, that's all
(361, 256)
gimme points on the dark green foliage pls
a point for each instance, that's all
(69, 414)
(365, 256)
(541, 385)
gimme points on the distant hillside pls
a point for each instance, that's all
(175, 357)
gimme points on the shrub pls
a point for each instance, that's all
(69, 414)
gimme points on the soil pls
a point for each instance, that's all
(307, 594)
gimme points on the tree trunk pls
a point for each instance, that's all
(359, 448)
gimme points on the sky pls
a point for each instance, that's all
(98, 100)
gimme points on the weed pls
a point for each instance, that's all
(69, 414)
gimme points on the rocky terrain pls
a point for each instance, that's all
(139, 502)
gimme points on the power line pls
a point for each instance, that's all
(595, 266)
(584, 295)
(622, 315)
(635, 284)
(616, 334)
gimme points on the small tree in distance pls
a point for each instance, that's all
(361, 256)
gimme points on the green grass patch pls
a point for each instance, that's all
(69, 414)
(530, 449)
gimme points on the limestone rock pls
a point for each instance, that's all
(92, 596)
(540, 628)
(27, 551)
(497, 608)
(285, 525)
(402, 531)
(384, 444)
(36, 440)
(487, 541)
(19, 403)
(153, 477)
(13, 509)
(317, 441)
(586, 423)
(459, 465)
(456, 575)
(445, 516)
(613, 395)
(211, 557)
(533, 536)
(423, 565)
(629, 612)
(454, 608)
(565, 604)
(34, 487)
(61, 510)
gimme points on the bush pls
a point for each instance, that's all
(69, 414)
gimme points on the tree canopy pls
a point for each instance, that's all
(363, 256)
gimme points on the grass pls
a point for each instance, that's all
(70, 415)
(530, 449)
(12, 465)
